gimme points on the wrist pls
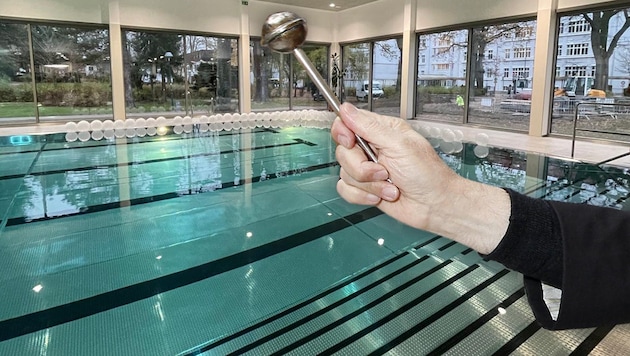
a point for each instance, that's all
(474, 214)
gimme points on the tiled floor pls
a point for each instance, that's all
(587, 151)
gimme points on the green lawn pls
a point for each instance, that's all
(28, 110)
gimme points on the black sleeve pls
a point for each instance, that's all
(582, 249)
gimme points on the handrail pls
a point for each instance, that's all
(594, 103)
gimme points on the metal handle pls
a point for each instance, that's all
(329, 96)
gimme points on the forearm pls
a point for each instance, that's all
(472, 214)
(579, 248)
(532, 243)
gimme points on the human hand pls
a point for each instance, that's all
(419, 177)
(424, 192)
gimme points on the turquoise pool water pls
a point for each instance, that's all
(237, 242)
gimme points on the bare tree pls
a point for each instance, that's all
(603, 47)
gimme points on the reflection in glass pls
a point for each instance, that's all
(279, 82)
(593, 65)
(440, 89)
(356, 66)
(152, 62)
(72, 71)
(172, 74)
(16, 89)
(386, 74)
(269, 78)
(212, 67)
(501, 71)
(305, 93)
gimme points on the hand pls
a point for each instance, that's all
(420, 178)
(425, 193)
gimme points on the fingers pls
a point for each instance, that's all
(375, 128)
(366, 193)
(357, 165)
(342, 134)
(363, 181)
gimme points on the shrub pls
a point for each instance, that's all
(390, 91)
(7, 94)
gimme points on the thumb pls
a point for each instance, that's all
(376, 129)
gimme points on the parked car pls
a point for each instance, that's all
(364, 91)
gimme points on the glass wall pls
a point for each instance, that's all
(279, 82)
(501, 71)
(305, 93)
(481, 75)
(16, 76)
(356, 66)
(270, 78)
(440, 87)
(175, 74)
(594, 72)
(371, 75)
(386, 74)
(71, 71)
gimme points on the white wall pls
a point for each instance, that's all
(210, 16)
(564, 5)
(320, 23)
(443, 13)
(375, 19)
(56, 10)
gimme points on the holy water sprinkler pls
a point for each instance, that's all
(285, 32)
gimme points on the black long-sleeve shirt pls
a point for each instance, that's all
(583, 250)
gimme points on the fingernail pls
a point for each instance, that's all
(390, 193)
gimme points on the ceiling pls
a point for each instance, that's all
(322, 4)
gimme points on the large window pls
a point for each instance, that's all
(71, 71)
(169, 74)
(386, 73)
(305, 93)
(16, 89)
(500, 88)
(593, 69)
(440, 87)
(372, 73)
(481, 75)
(279, 82)
(356, 67)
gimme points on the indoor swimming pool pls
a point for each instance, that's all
(184, 238)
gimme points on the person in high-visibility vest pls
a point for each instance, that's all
(460, 101)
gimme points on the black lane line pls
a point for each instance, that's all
(342, 301)
(425, 243)
(437, 315)
(155, 198)
(588, 344)
(206, 347)
(472, 327)
(447, 246)
(424, 323)
(311, 316)
(157, 160)
(372, 304)
(517, 340)
(40, 320)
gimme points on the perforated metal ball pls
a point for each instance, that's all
(283, 32)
